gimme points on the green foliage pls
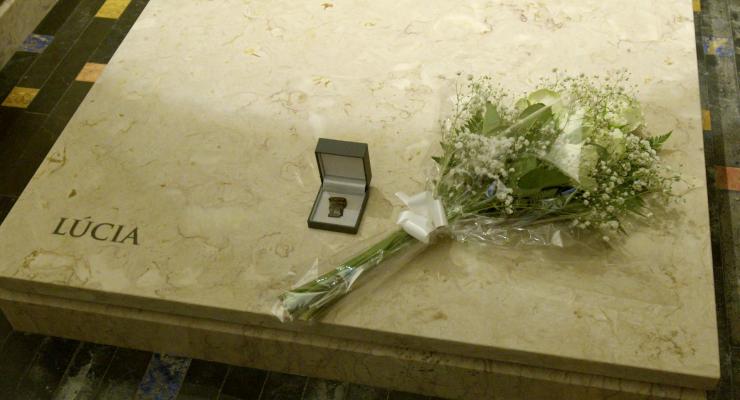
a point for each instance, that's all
(492, 120)
(636, 204)
(523, 165)
(574, 147)
(656, 142)
(534, 115)
(544, 96)
(540, 179)
(475, 123)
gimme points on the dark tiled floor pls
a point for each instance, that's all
(204, 380)
(718, 42)
(85, 372)
(37, 367)
(47, 368)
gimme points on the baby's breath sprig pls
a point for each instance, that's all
(576, 149)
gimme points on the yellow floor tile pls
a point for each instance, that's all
(90, 72)
(20, 97)
(112, 9)
(706, 120)
(728, 178)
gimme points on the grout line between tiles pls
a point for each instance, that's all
(36, 60)
(66, 370)
(64, 57)
(36, 113)
(264, 383)
(223, 382)
(30, 363)
(105, 374)
(305, 386)
(5, 339)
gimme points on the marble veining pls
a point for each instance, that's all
(201, 131)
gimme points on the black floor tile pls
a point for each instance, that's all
(13, 142)
(8, 116)
(729, 211)
(12, 147)
(66, 107)
(108, 47)
(64, 39)
(406, 396)
(56, 17)
(13, 70)
(70, 66)
(243, 384)
(735, 374)
(283, 386)
(124, 374)
(15, 358)
(320, 389)
(47, 369)
(362, 392)
(203, 380)
(6, 203)
(85, 372)
(5, 328)
(16, 178)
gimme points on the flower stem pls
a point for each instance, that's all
(308, 300)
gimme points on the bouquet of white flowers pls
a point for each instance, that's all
(573, 155)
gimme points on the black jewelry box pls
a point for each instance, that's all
(345, 181)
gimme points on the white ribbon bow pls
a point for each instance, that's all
(425, 214)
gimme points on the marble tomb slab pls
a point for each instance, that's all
(392, 367)
(193, 155)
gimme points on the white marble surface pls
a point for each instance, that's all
(434, 374)
(18, 18)
(201, 131)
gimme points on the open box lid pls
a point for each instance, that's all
(343, 160)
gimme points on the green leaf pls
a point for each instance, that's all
(544, 96)
(521, 104)
(530, 110)
(438, 160)
(475, 123)
(492, 119)
(656, 142)
(536, 180)
(532, 115)
(602, 151)
(522, 166)
(590, 156)
(635, 204)
(631, 118)
(549, 193)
